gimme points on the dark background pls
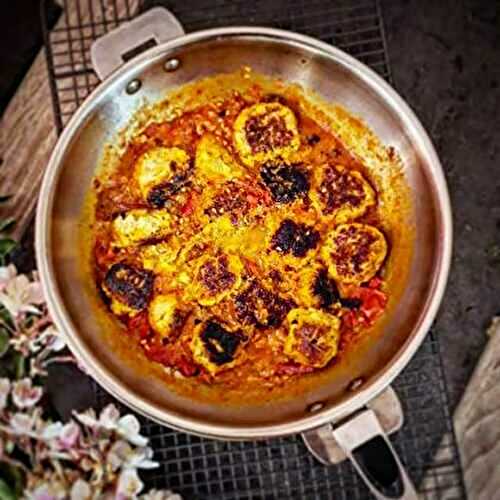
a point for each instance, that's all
(445, 59)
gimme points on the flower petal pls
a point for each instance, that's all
(24, 395)
(128, 427)
(87, 418)
(69, 435)
(80, 490)
(51, 431)
(129, 484)
(21, 423)
(109, 416)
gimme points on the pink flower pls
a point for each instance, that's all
(4, 392)
(19, 296)
(70, 434)
(24, 394)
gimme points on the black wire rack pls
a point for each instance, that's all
(201, 468)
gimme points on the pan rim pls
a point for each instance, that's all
(381, 380)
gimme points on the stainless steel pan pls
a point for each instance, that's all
(335, 423)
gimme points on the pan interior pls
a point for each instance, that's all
(333, 80)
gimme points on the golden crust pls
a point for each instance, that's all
(313, 337)
(162, 313)
(157, 166)
(215, 277)
(354, 253)
(214, 163)
(340, 194)
(139, 225)
(265, 131)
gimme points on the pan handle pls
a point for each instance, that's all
(365, 443)
(110, 51)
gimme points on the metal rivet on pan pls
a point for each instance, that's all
(171, 64)
(133, 86)
(356, 384)
(315, 407)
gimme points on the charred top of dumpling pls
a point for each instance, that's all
(256, 305)
(129, 285)
(285, 182)
(295, 238)
(220, 344)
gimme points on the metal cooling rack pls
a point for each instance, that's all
(279, 468)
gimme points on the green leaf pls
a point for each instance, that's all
(5, 197)
(4, 341)
(6, 246)
(7, 224)
(6, 492)
(19, 366)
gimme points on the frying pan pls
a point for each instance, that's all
(161, 57)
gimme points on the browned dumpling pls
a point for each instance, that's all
(341, 194)
(265, 131)
(313, 337)
(354, 253)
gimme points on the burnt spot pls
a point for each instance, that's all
(158, 196)
(260, 307)
(215, 275)
(325, 289)
(285, 182)
(265, 133)
(313, 139)
(351, 303)
(339, 188)
(275, 98)
(221, 345)
(129, 285)
(294, 238)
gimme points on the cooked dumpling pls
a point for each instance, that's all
(213, 161)
(294, 238)
(164, 315)
(341, 194)
(139, 225)
(354, 253)
(259, 306)
(286, 183)
(216, 348)
(161, 172)
(161, 257)
(313, 337)
(315, 288)
(215, 277)
(265, 131)
(129, 288)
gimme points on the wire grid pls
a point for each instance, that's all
(280, 468)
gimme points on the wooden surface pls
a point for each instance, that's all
(477, 423)
(27, 130)
(27, 137)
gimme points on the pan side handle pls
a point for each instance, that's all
(364, 442)
(154, 27)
